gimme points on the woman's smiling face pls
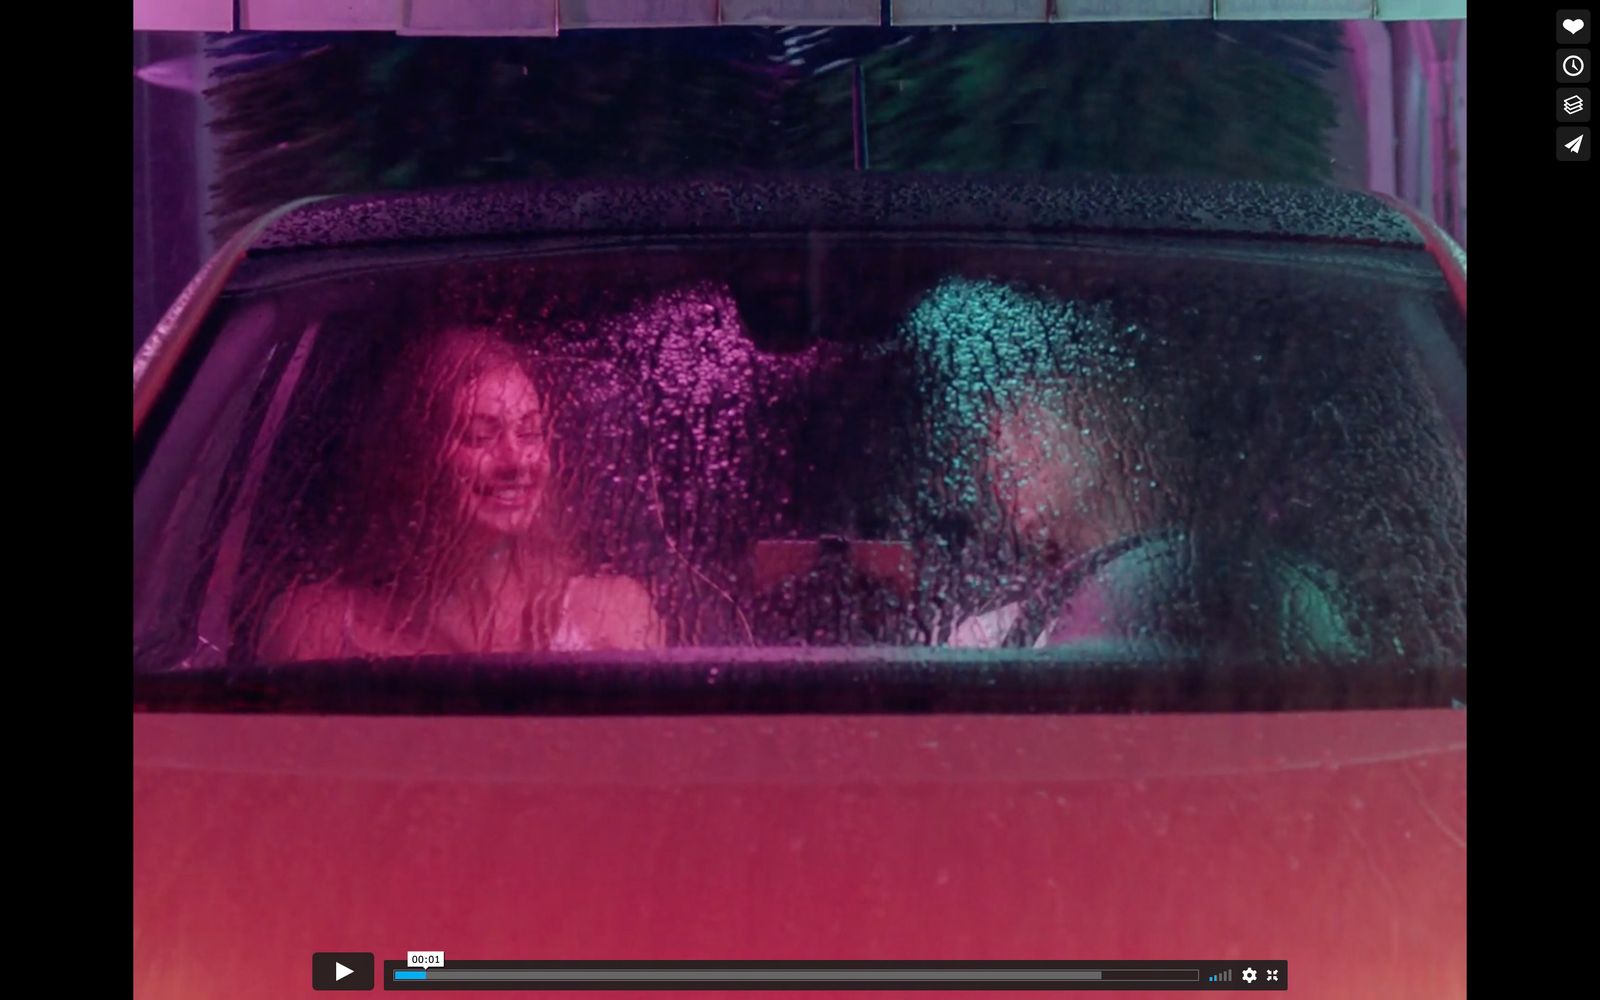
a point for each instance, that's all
(498, 453)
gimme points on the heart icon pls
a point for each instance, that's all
(1573, 25)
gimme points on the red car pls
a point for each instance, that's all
(770, 406)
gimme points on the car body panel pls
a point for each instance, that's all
(1451, 257)
(1333, 840)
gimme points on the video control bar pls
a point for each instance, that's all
(539, 976)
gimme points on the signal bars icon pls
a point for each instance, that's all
(1225, 976)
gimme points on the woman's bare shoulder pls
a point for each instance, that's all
(614, 612)
(307, 622)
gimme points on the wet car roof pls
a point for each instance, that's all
(877, 201)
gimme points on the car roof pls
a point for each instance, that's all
(881, 202)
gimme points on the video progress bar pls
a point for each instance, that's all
(536, 976)
(805, 976)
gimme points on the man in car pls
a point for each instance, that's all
(1088, 470)
(1067, 511)
(1112, 556)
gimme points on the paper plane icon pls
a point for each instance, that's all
(1575, 144)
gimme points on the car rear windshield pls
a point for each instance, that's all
(832, 456)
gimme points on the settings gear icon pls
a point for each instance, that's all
(1249, 975)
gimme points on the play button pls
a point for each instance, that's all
(342, 970)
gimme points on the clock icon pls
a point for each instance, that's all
(1572, 65)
